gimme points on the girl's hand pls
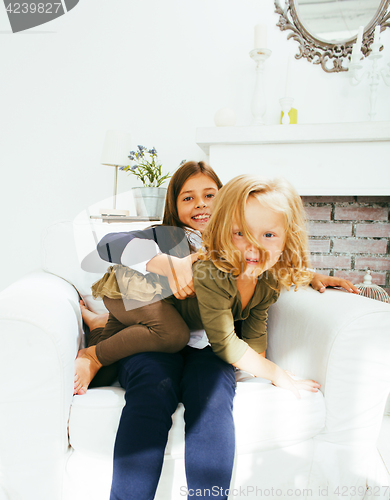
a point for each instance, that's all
(178, 271)
(285, 381)
(259, 366)
(320, 282)
(180, 276)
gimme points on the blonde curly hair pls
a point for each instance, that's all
(275, 194)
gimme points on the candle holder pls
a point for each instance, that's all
(358, 72)
(286, 105)
(259, 103)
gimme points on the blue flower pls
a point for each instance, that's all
(145, 166)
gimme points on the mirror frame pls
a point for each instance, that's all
(318, 51)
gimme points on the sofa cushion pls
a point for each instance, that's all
(266, 418)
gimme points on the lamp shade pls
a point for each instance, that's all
(116, 148)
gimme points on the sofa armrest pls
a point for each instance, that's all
(342, 341)
(40, 332)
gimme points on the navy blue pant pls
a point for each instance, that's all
(155, 383)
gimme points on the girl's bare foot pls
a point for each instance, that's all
(91, 319)
(86, 367)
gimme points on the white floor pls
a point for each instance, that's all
(384, 442)
(382, 468)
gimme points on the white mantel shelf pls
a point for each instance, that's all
(318, 159)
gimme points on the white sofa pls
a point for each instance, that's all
(322, 446)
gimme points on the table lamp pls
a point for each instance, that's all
(116, 148)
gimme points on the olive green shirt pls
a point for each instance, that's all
(218, 304)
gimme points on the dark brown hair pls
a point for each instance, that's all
(182, 174)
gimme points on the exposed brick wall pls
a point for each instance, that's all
(349, 234)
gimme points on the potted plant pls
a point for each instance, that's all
(149, 199)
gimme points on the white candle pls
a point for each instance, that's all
(260, 36)
(356, 47)
(356, 54)
(377, 34)
(287, 90)
(359, 38)
(356, 50)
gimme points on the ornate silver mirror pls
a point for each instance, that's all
(326, 29)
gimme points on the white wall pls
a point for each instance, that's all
(158, 69)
